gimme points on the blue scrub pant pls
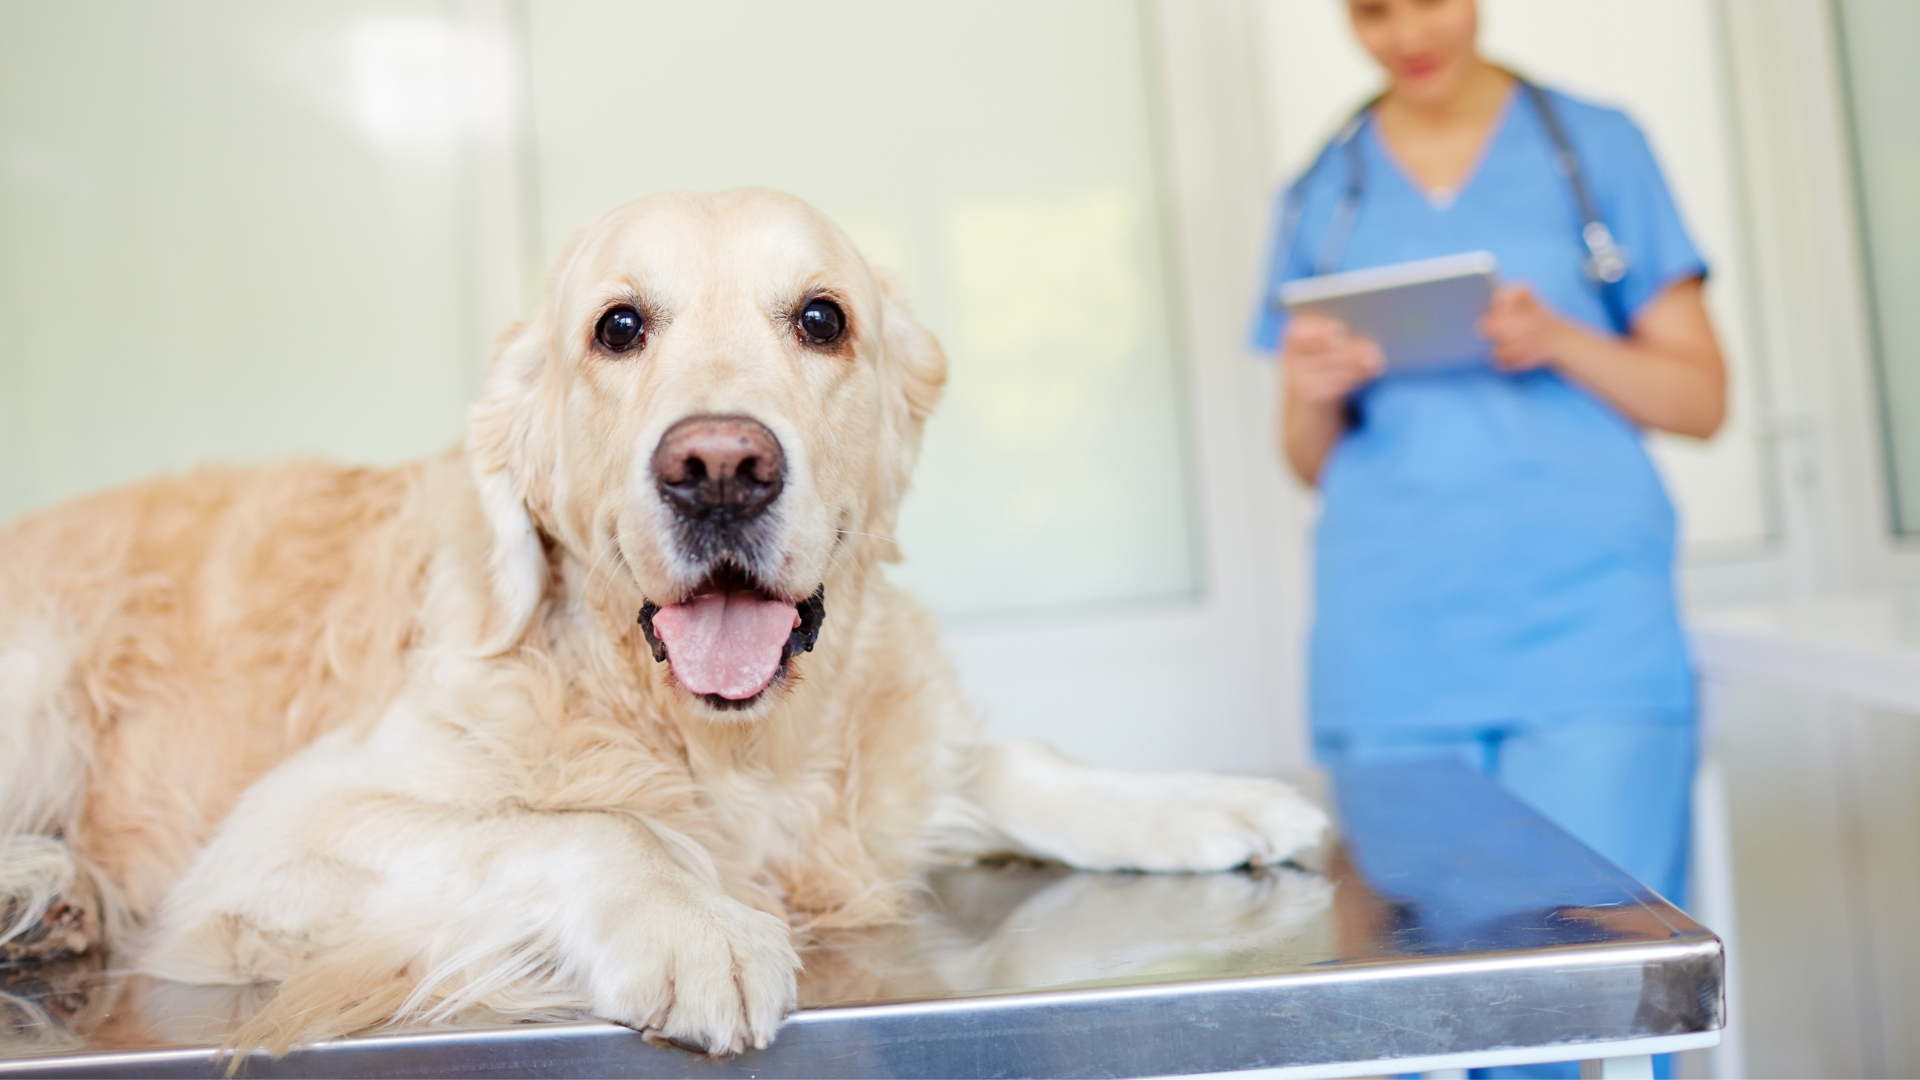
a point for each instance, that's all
(1623, 787)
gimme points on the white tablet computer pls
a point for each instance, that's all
(1422, 313)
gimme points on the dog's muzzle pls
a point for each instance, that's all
(729, 638)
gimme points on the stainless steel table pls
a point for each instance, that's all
(1450, 927)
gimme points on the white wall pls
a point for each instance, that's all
(231, 231)
(1214, 683)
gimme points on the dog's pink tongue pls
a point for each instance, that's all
(726, 643)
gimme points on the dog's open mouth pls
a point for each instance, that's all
(728, 640)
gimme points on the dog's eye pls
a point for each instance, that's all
(822, 321)
(620, 329)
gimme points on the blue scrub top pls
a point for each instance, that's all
(1496, 548)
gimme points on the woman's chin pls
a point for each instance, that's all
(1432, 84)
(1426, 91)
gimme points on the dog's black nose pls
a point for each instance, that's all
(727, 465)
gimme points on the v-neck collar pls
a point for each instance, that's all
(1443, 200)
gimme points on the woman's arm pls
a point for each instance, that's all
(1321, 362)
(1667, 375)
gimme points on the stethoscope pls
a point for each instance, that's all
(1605, 263)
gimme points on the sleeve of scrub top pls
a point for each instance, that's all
(1639, 209)
(1269, 318)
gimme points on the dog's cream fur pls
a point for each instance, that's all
(392, 738)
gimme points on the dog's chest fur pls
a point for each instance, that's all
(811, 812)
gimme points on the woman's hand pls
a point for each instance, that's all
(1667, 374)
(1321, 362)
(1524, 331)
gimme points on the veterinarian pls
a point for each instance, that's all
(1494, 558)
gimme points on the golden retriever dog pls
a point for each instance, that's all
(600, 712)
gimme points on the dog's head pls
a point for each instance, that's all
(718, 400)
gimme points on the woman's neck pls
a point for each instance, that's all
(1438, 143)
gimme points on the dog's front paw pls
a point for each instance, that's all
(1220, 822)
(1199, 822)
(708, 973)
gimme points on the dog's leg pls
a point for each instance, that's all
(358, 877)
(48, 907)
(1027, 799)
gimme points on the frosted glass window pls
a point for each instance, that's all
(999, 156)
(1879, 39)
(230, 231)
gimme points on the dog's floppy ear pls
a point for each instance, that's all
(502, 430)
(916, 370)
